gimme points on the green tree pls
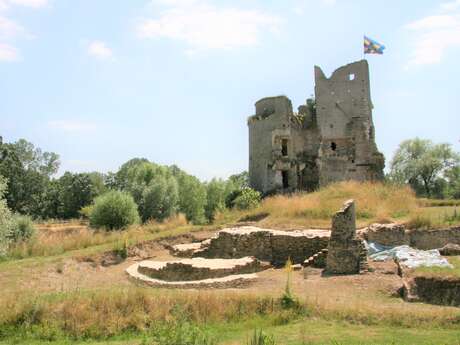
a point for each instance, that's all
(249, 198)
(113, 210)
(160, 198)
(52, 204)
(28, 171)
(77, 191)
(123, 177)
(192, 198)
(453, 182)
(421, 162)
(216, 193)
(6, 221)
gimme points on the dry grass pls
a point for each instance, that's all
(424, 202)
(345, 303)
(58, 238)
(375, 202)
(434, 217)
(111, 312)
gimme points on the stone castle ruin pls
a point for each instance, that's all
(329, 139)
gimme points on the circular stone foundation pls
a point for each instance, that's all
(197, 272)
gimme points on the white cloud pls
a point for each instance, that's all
(450, 6)
(435, 35)
(208, 27)
(99, 50)
(72, 126)
(3, 5)
(301, 7)
(8, 53)
(29, 3)
(11, 30)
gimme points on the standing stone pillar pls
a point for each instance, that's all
(344, 248)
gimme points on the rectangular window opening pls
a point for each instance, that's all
(284, 147)
(285, 176)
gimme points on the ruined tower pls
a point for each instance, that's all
(331, 138)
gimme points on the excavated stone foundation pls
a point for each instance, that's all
(435, 290)
(274, 246)
(397, 234)
(197, 272)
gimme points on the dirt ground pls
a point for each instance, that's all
(103, 270)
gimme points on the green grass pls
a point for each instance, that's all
(442, 271)
(302, 332)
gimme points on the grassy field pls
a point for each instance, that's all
(375, 203)
(299, 332)
(442, 271)
(50, 295)
(133, 316)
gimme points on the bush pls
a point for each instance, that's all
(249, 198)
(113, 210)
(22, 228)
(86, 211)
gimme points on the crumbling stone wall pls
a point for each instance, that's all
(269, 245)
(344, 249)
(333, 141)
(432, 289)
(186, 270)
(397, 234)
(344, 114)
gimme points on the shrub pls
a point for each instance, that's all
(114, 210)
(85, 211)
(22, 228)
(249, 198)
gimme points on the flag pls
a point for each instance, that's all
(372, 47)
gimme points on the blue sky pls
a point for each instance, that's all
(103, 81)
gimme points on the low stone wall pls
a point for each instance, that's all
(396, 234)
(198, 268)
(432, 239)
(231, 281)
(434, 290)
(387, 234)
(274, 246)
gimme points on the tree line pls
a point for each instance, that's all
(158, 191)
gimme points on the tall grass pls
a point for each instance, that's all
(58, 238)
(107, 313)
(375, 202)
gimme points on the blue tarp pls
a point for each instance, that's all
(407, 256)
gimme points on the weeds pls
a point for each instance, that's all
(180, 333)
(260, 338)
(287, 300)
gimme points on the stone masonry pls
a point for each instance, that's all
(344, 249)
(329, 139)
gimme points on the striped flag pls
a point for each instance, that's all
(372, 47)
